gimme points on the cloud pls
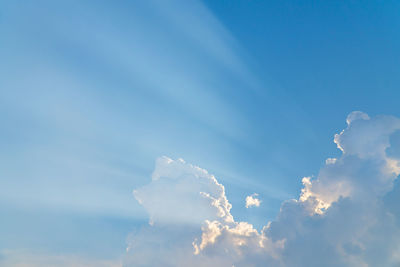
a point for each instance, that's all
(183, 193)
(347, 215)
(190, 222)
(252, 200)
(23, 258)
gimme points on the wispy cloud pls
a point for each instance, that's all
(23, 258)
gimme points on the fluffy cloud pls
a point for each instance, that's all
(183, 193)
(190, 222)
(252, 200)
(346, 216)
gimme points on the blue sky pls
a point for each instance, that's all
(93, 92)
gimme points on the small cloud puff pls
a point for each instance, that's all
(252, 200)
(330, 161)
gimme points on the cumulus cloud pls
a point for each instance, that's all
(252, 200)
(183, 193)
(347, 215)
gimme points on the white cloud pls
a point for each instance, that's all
(252, 200)
(347, 215)
(330, 161)
(183, 193)
(191, 223)
(23, 258)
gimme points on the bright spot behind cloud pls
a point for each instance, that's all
(252, 200)
(347, 215)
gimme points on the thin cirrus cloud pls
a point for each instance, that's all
(346, 216)
(19, 258)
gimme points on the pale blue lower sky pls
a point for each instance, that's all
(92, 92)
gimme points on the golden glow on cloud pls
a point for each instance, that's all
(341, 210)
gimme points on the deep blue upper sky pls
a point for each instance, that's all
(92, 92)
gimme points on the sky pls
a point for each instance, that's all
(107, 108)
